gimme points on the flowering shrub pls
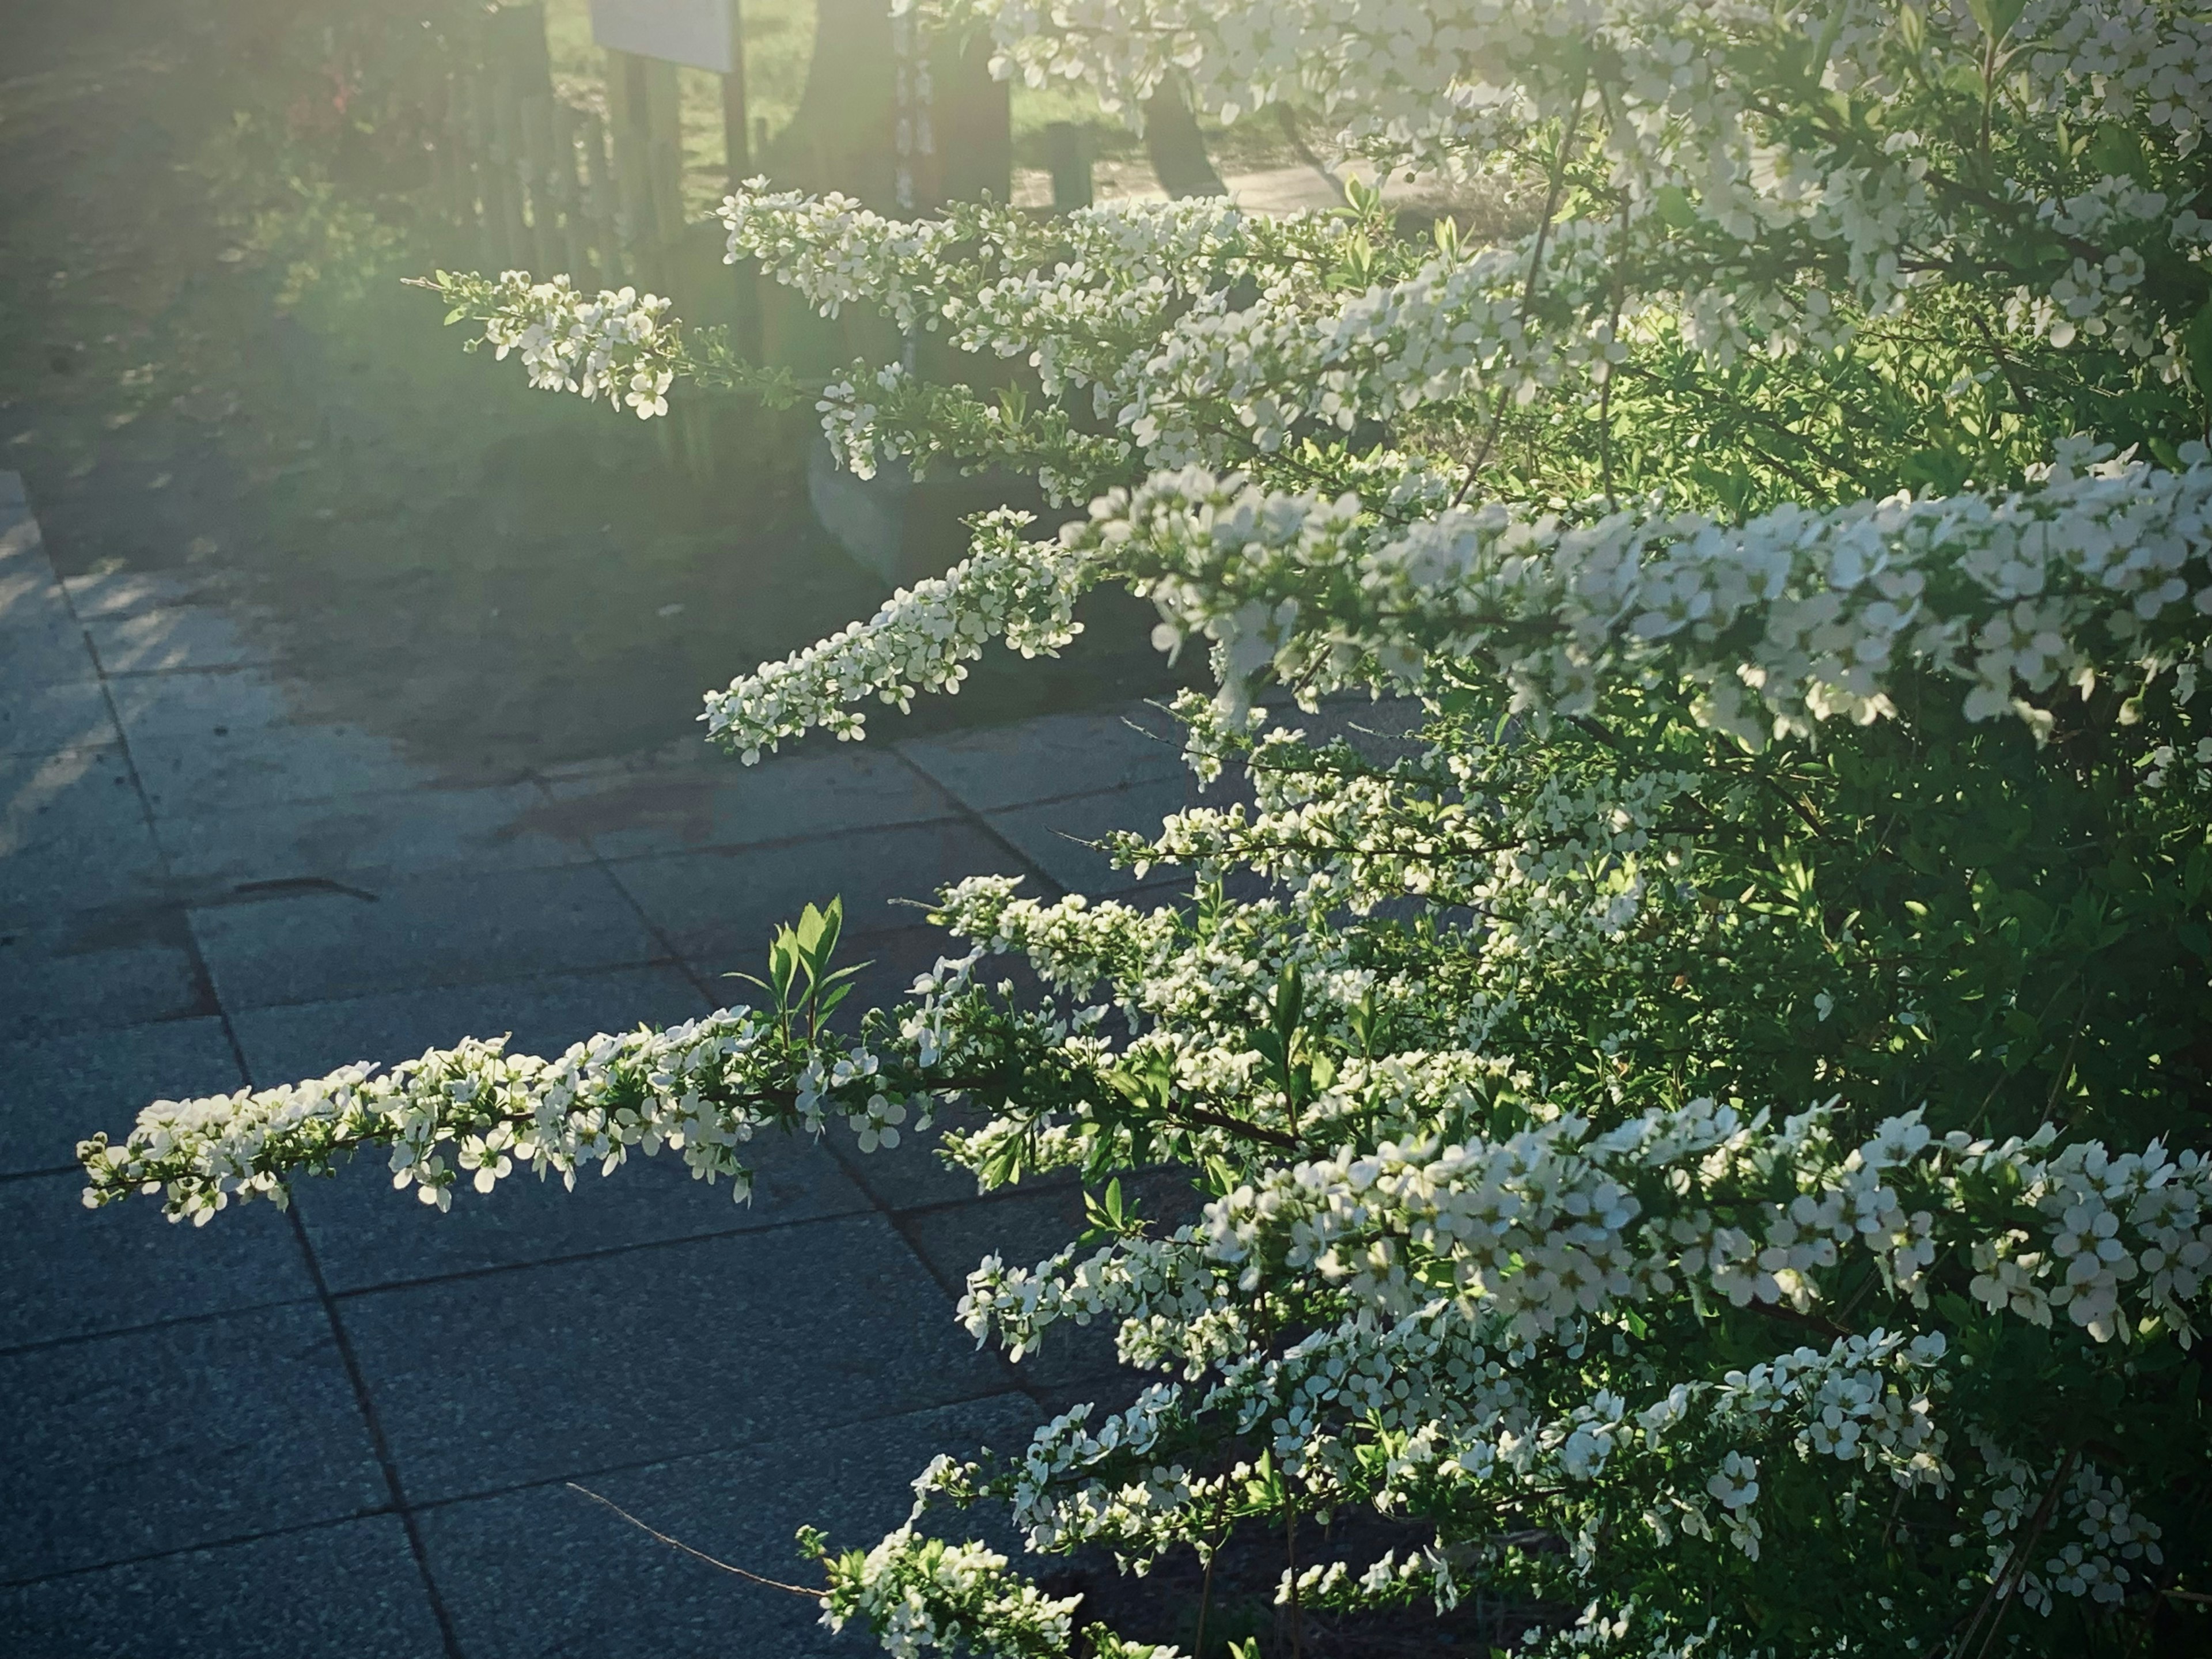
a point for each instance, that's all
(1707, 1146)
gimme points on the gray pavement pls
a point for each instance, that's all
(348, 1430)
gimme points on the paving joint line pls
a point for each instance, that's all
(362, 1400)
(609, 1252)
(381, 1446)
(975, 819)
(464, 1275)
(653, 930)
(210, 996)
(207, 994)
(1017, 1383)
(635, 1464)
(1061, 799)
(146, 1327)
(230, 1541)
(627, 965)
(895, 1216)
(48, 1172)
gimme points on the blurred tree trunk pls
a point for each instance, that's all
(844, 134)
(1177, 147)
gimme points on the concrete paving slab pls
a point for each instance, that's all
(658, 1352)
(338, 1592)
(161, 638)
(111, 968)
(417, 932)
(21, 546)
(114, 590)
(366, 1235)
(627, 814)
(690, 753)
(187, 1435)
(494, 827)
(40, 644)
(194, 706)
(65, 794)
(721, 907)
(204, 735)
(32, 600)
(910, 1174)
(546, 1573)
(38, 719)
(545, 1013)
(1057, 755)
(124, 1266)
(74, 834)
(55, 1092)
(1056, 836)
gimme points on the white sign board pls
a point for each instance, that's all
(693, 33)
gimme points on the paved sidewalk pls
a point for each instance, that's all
(346, 1431)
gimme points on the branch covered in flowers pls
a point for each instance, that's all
(702, 1088)
(2099, 570)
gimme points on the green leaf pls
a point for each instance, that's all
(811, 922)
(1290, 1000)
(2116, 151)
(1671, 203)
(1996, 17)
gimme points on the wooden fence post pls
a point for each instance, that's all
(568, 196)
(737, 158)
(639, 109)
(492, 181)
(530, 120)
(508, 162)
(1067, 150)
(605, 211)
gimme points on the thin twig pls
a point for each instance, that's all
(1188, 1115)
(2001, 1587)
(1790, 1315)
(1205, 1583)
(1605, 388)
(1535, 271)
(2004, 363)
(678, 1544)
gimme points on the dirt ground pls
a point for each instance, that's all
(209, 369)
